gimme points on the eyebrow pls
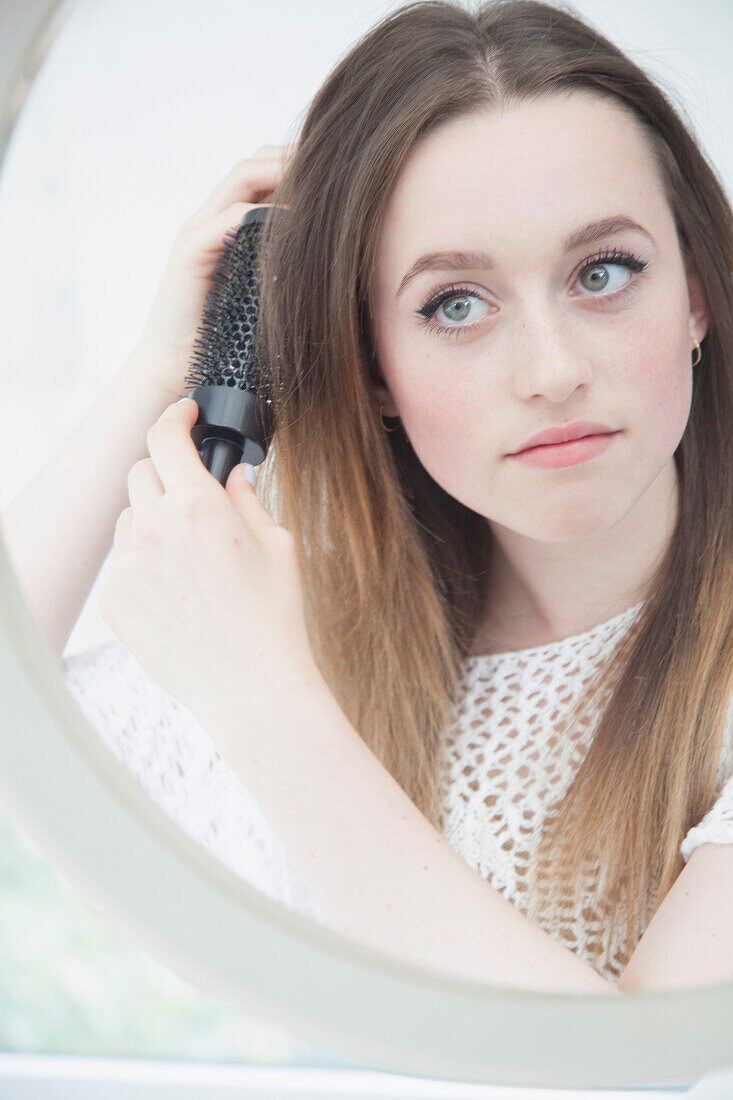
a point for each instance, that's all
(462, 261)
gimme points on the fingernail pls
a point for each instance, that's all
(249, 473)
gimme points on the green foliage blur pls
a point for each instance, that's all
(71, 984)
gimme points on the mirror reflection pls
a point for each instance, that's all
(453, 676)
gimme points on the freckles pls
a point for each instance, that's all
(433, 422)
(436, 427)
(654, 364)
(664, 389)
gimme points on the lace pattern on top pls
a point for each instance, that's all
(176, 762)
(510, 759)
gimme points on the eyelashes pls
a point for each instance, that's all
(615, 257)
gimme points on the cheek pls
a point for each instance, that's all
(659, 389)
(459, 436)
(437, 407)
(435, 420)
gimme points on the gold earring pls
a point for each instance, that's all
(698, 349)
(383, 424)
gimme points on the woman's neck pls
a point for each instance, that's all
(539, 593)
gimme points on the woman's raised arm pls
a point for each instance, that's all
(59, 529)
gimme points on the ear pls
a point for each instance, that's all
(699, 317)
(376, 381)
(382, 396)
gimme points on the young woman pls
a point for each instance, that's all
(499, 226)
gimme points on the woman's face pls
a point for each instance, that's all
(539, 335)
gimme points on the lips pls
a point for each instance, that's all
(565, 433)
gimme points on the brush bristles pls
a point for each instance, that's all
(224, 352)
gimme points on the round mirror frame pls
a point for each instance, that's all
(77, 804)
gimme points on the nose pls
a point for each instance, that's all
(546, 360)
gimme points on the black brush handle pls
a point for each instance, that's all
(228, 429)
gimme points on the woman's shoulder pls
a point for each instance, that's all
(716, 827)
(726, 756)
(144, 726)
(108, 677)
(179, 767)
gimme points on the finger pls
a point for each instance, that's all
(122, 526)
(248, 181)
(144, 487)
(242, 494)
(207, 236)
(267, 152)
(175, 455)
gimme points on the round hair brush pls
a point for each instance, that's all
(234, 417)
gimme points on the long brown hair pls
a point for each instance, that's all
(394, 568)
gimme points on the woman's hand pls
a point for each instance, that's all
(204, 587)
(171, 328)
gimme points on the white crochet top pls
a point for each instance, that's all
(508, 762)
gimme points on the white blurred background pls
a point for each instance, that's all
(140, 108)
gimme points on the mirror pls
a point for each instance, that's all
(205, 845)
